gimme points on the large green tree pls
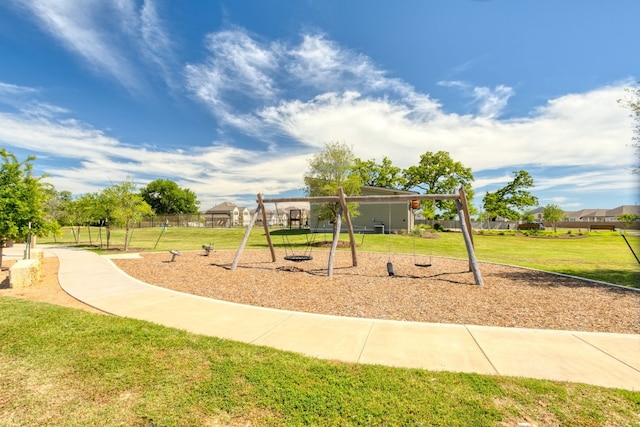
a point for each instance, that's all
(383, 175)
(165, 198)
(123, 206)
(511, 200)
(438, 173)
(632, 102)
(23, 200)
(330, 169)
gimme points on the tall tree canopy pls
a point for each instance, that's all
(511, 200)
(166, 198)
(328, 170)
(379, 175)
(438, 173)
(23, 199)
(632, 102)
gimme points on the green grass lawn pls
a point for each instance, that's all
(66, 367)
(600, 256)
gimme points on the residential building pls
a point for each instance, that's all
(374, 217)
(227, 215)
(593, 215)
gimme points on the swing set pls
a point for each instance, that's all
(342, 200)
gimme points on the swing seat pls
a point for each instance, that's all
(298, 258)
(390, 269)
(422, 265)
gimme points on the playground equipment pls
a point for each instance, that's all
(174, 253)
(342, 200)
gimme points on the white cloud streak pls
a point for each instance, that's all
(102, 33)
(490, 103)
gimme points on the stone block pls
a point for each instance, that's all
(24, 273)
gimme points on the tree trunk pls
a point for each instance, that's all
(126, 238)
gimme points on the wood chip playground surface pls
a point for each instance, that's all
(442, 293)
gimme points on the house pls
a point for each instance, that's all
(587, 215)
(593, 215)
(375, 217)
(227, 215)
(290, 216)
(622, 210)
(276, 217)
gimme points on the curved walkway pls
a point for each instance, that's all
(609, 360)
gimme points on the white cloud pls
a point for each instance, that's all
(492, 102)
(156, 45)
(8, 91)
(237, 64)
(80, 29)
(102, 34)
(569, 131)
(487, 182)
(242, 71)
(489, 102)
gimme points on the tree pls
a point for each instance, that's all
(23, 198)
(632, 102)
(508, 201)
(91, 209)
(553, 214)
(437, 173)
(123, 207)
(328, 170)
(528, 216)
(628, 219)
(166, 198)
(383, 175)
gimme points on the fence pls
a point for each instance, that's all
(187, 220)
(513, 225)
(217, 220)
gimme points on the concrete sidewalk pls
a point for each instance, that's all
(609, 360)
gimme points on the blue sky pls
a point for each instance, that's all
(231, 98)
